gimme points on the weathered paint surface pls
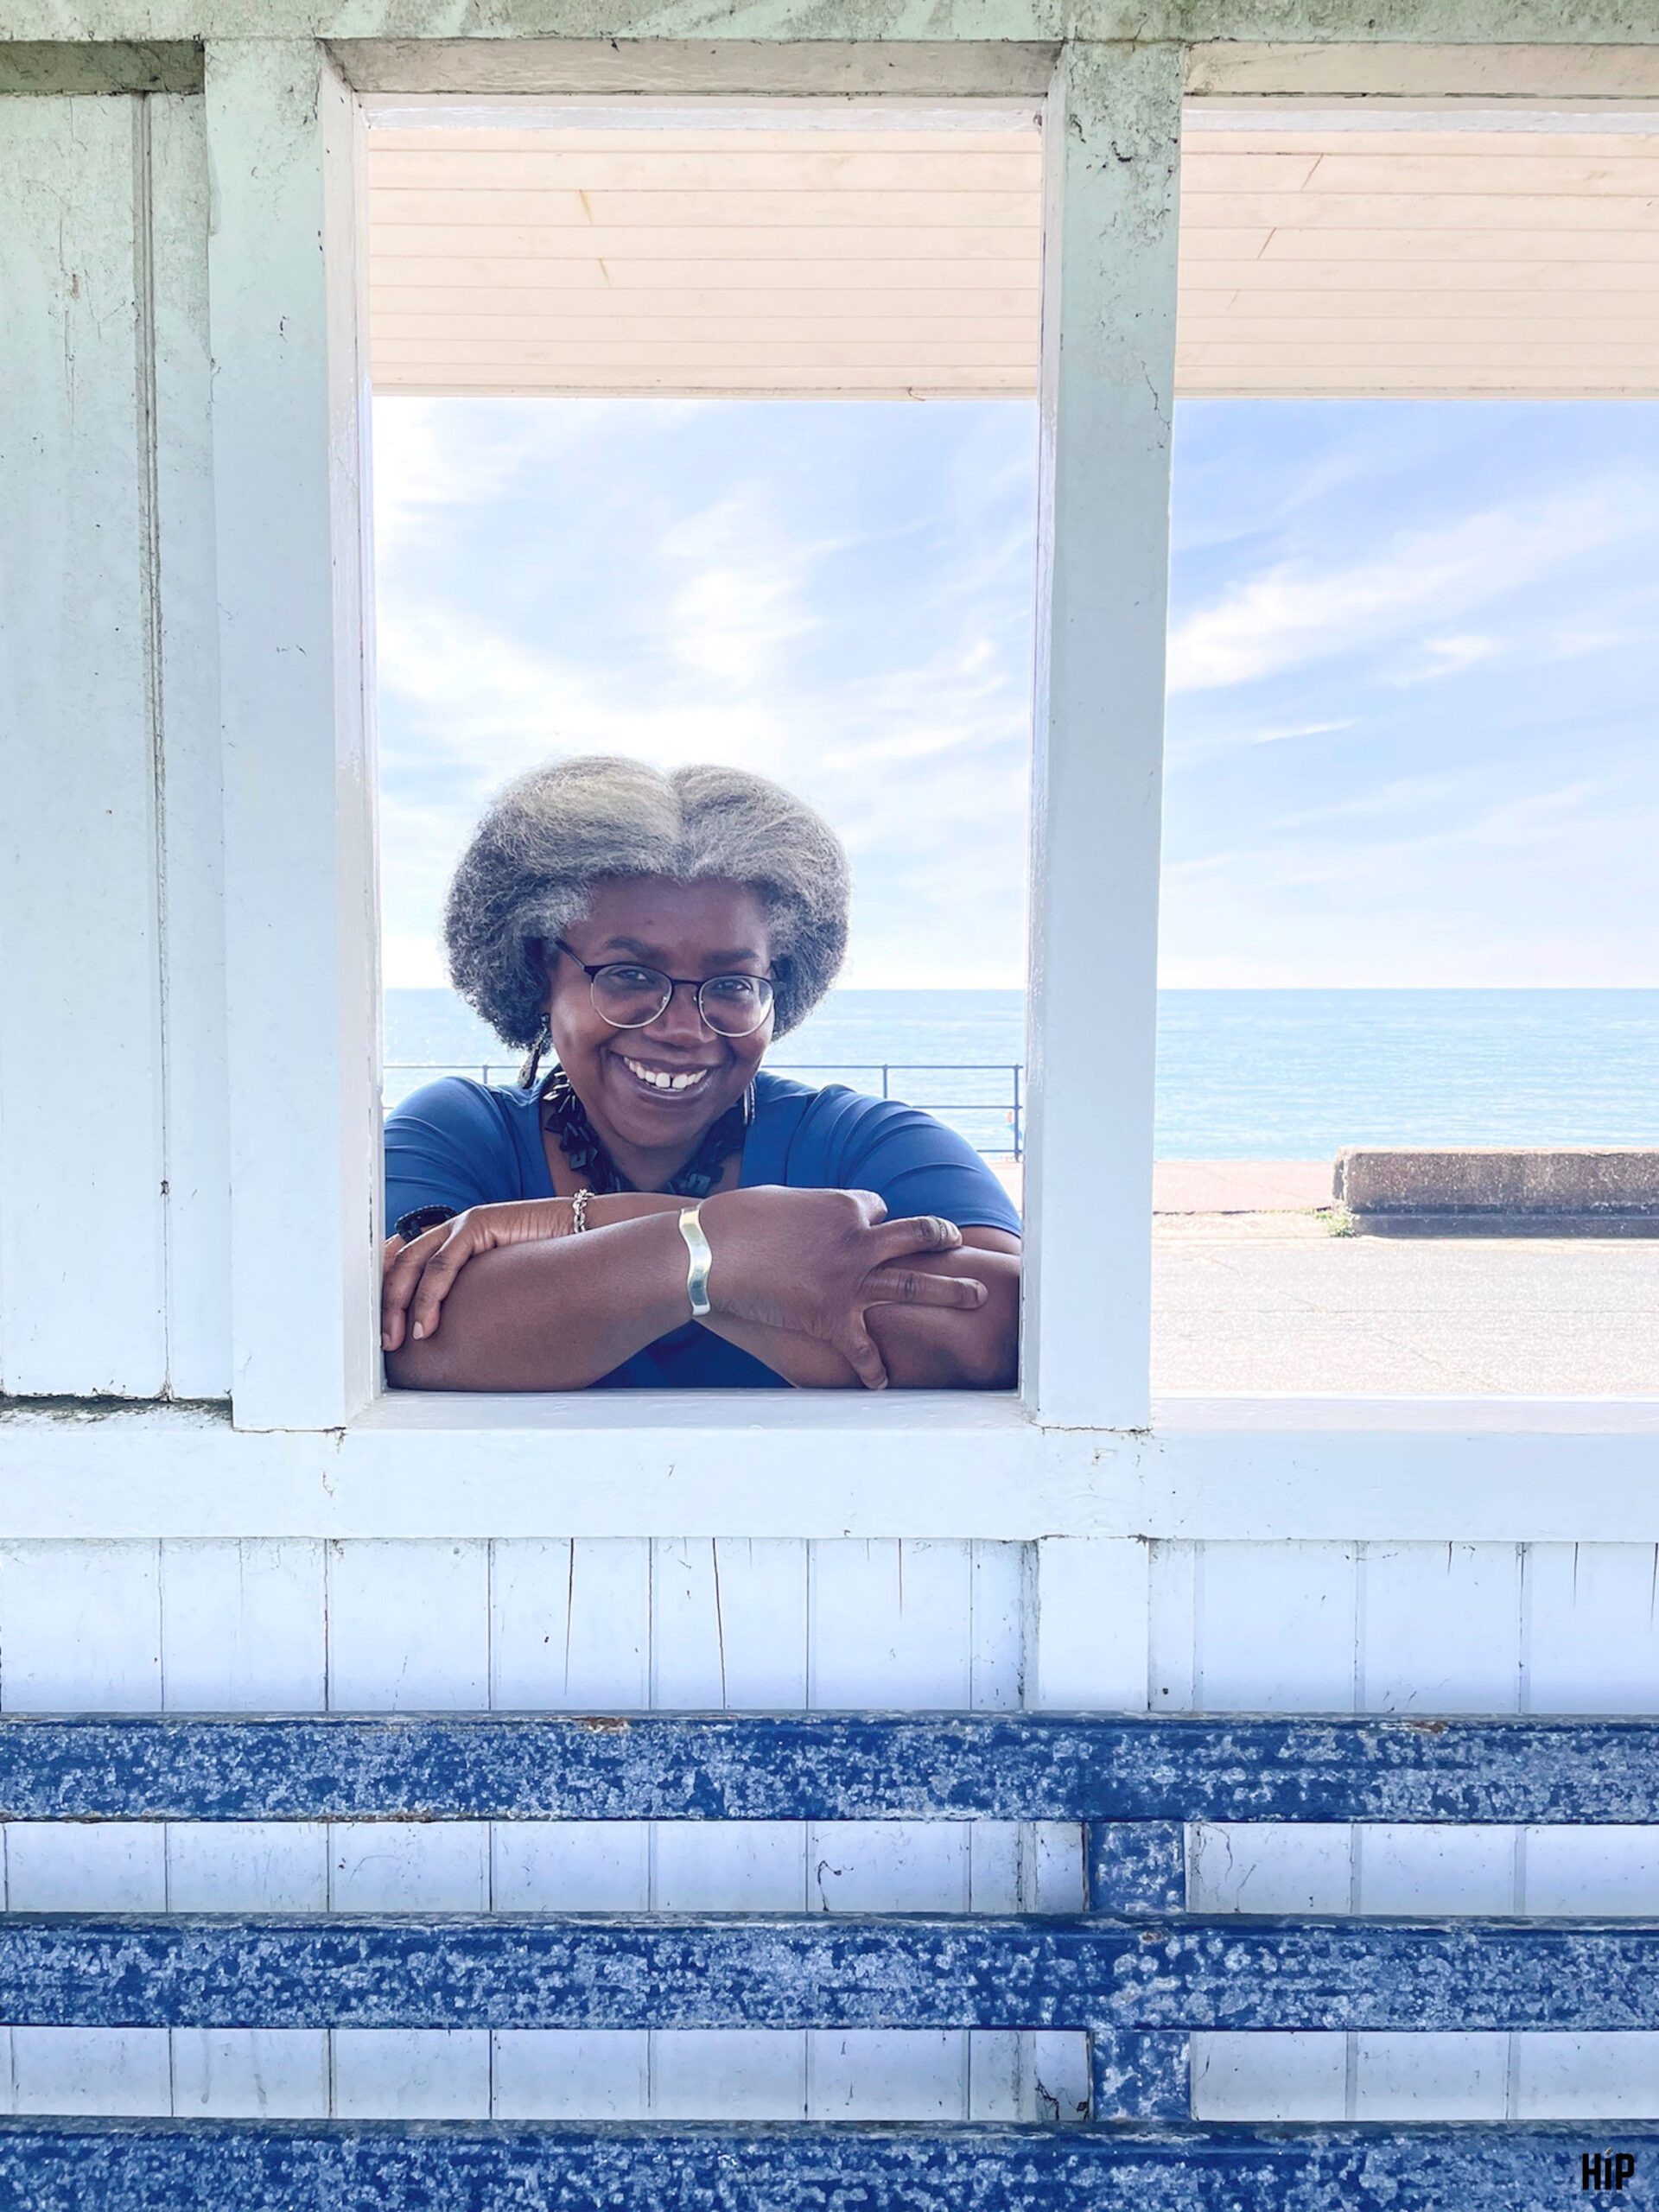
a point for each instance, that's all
(1321, 21)
(1135, 1866)
(1162, 1767)
(789, 1971)
(446, 2167)
(1133, 2075)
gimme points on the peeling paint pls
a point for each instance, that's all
(999, 1766)
(510, 2166)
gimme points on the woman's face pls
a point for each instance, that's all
(711, 927)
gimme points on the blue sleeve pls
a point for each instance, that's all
(447, 1145)
(919, 1166)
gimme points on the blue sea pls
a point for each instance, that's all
(1242, 1075)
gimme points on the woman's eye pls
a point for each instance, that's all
(632, 979)
(731, 987)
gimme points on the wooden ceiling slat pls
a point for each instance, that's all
(731, 353)
(733, 211)
(726, 140)
(431, 307)
(874, 383)
(1426, 213)
(503, 277)
(640, 168)
(1351, 250)
(899, 326)
(856, 244)
(1325, 260)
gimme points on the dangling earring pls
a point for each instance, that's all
(531, 1067)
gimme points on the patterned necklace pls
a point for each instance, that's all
(565, 1118)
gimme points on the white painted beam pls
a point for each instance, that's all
(190, 889)
(548, 1469)
(83, 1259)
(1111, 137)
(289, 455)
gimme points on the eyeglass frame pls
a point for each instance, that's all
(675, 984)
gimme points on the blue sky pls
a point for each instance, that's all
(1413, 665)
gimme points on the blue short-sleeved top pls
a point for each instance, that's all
(459, 1143)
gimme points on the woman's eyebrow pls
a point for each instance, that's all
(719, 961)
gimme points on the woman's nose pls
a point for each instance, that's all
(681, 1020)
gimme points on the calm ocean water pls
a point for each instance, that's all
(1242, 1075)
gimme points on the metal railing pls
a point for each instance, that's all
(1011, 1105)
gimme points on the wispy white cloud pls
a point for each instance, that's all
(1448, 656)
(1296, 614)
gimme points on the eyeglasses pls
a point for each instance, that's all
(629, 997)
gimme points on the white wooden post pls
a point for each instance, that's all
(289, 453)
(83, 1235)
(1111, 139)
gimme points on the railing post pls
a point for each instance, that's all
(1137, 1869)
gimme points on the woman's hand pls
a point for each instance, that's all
(416, 1277)
(810, 1262)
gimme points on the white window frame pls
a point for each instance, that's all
(286, 137)
(1072, 1453)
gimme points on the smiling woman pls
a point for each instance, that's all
(659, 1210)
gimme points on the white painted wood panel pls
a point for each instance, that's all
(79, 745)
(190, 889)
(295, 678)
(408, 1627)
(244, 1625)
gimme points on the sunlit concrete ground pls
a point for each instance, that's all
(1275, 1302)
(1268, 1299)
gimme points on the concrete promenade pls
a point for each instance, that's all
(1252, 1292)
(1273, 1302)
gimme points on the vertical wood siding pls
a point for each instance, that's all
(111, 1065)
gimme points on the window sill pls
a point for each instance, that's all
(918, 1465)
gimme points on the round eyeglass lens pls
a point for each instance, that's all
(734, 1006)
(629, 997)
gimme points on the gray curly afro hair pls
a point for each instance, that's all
(529, 871)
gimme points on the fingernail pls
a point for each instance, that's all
(385, 1339)
(419, 1331)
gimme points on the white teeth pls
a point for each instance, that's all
(660, 1079)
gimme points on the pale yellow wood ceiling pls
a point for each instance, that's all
(880, 264)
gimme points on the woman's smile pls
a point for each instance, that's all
(663, 1085)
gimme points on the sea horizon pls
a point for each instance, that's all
(1272, 1074)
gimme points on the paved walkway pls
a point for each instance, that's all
(1275, 1302)
(1252, 1291)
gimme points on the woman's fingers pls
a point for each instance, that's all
(913, 1234)
(900, 1285)
(438, 1280)
(398, 1284)
(866, 1362)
